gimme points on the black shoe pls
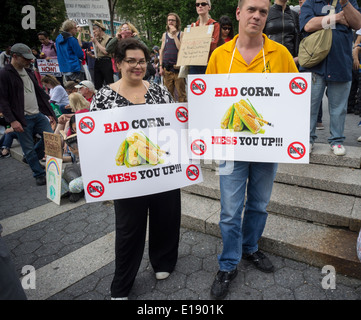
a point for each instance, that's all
(75, 197)
(221, 283)
(260, 261)
(3, 156)
(40, 181)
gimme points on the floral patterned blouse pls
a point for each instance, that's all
(107, 98)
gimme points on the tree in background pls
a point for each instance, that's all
(49, 16)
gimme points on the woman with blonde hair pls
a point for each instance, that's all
(125, 31)
(78, 103)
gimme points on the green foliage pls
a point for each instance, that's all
(49, 16)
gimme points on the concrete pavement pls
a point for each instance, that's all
(71, 248)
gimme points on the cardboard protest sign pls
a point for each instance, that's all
(53, 178)
(195, 45)
(134, 151)
(50, 66)
(250, 117)
(53, 145)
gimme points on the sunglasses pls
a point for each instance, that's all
(226, 28)
(203, 4)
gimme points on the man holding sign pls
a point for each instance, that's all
(250, 51)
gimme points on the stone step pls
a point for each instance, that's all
(298, 202)
(314, 244)
(323, 155)
(340, 180)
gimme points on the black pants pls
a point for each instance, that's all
(103, 72)
(10, 286)
(131, 223)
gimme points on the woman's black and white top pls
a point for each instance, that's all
(107, 98)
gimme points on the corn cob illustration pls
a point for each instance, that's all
(136, 150)
(243, 112)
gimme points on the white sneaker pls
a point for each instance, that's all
(162, 275)
(359, 139)
(338, 150)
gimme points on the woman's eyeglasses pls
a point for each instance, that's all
(226, 28)
(203, 4)
(134, 63)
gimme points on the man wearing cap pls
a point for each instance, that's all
(70, 54)
(86, 89)
(25, 106)
(103, 69)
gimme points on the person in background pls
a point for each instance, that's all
(103, 69)
(226, 30)
(5, 57)
(87, 89)
(69, 52)
(203, 8)
(171, 41)
(283, 26)
(131, 215)
(335, 71)
(26, 107)
(240, 234)
(57, 93)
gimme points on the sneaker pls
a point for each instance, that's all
(319, 126)
(359, 139)
(221, 283)
(260, 261)
(162, 275)
(338, 150)
(40, 181)
(3, 156)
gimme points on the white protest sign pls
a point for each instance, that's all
(250, 117)
(53, 178)
(87, 9)
(134, 151)
(50, 66)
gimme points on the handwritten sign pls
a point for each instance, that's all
(52, 143)
(196, 42)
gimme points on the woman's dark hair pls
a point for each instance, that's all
(129, 44)
(71, 122)
(43, 33)
(225, 21)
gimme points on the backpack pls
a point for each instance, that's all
(315, 47)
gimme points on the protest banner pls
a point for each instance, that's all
(53, 178)
(250, 117)
(87, 9)
(134, 151)
(50, 66)
(195, 45)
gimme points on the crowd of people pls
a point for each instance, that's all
(105, 72)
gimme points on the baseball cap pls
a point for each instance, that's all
(86, 84)
(23, 50)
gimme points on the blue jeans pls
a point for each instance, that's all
(7, 139)
(338, 93)
(37, 123)
(237, 178)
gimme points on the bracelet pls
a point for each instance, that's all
(344, 5)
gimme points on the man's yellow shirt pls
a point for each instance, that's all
(277, 59)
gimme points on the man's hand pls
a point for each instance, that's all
(16, 125)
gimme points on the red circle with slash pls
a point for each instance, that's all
(298, 85)
(86, 125)
(182, 114)
(192, 172)
(95, 189)
(296, 150)
(198, 86)
(199, 147)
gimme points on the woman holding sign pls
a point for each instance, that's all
(164, 208)
(204, 19)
